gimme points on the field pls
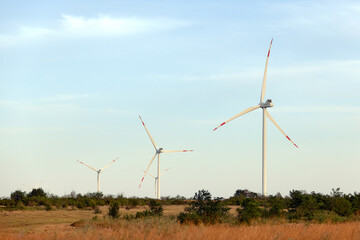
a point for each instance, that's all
(56, 224)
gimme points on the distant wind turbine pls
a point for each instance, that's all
(98, 171)
(264, 106)
(158, 151)
(155, 178)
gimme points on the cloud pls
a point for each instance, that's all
(79, 27)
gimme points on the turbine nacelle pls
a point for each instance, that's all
(266, 104)
(159, 150)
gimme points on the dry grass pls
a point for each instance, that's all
(39, 220)
(56, 225)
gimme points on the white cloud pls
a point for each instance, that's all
(75, 27)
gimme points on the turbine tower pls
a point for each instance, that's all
(98, 171)
(155, 178)
(264, 106)
(158, 151)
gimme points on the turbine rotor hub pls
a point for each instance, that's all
(266, 104)
(159, 150)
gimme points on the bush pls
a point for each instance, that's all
(47, 207)
(277, 205)
(97, 210)
(17, 196)
(114, 210)
(322, 216)
(156, 209)
(37, 192)
(204, 210)
(132, 202)
(306, 210)
(296, 198)
(245, 193)
(342, 207)
(250, 210)
(189, 217)
(80, 204)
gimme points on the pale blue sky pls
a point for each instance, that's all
(75, 75)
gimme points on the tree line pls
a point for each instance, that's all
(203, 208)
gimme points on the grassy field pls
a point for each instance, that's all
(56, 224)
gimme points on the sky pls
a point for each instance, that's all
(76, 75)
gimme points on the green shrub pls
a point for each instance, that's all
(204, 210)
(47, 207)
(277, 207)
(306, 210)
(17, 196)
(189, 217)
(342, 207)
(132, 202)
(37, 192)
(156, 209)
(80, 205)
(250, 210)
(114, 210)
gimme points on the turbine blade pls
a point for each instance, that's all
(238, 115)
(265, 73)
(273, 121)
(149, 174)
(147, 169)
(164, 171)
(87, 166)
(151, 139)
(172, 151)
(110, 163)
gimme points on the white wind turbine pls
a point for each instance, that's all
(158, 151)
(262, 105)
(98, 171)
(155, 178)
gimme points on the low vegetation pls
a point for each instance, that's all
(203, 209)
(197, 216)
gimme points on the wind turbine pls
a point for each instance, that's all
(155, 178)
(264, 106)
(98, 171)
(158, 151)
